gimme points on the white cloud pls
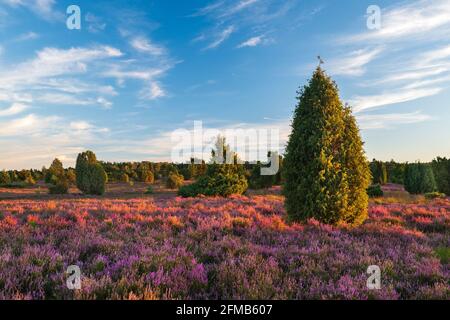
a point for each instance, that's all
(53, 62)
(255, 41)
(42, 8)
(221, 37)
(94, 23)
(27, 36)
(154, 92)
(30, 124)
(353, 64)
(241, 5)
(418, 19)
(361, 103)
(80, 125)
(143, 44)
(382, 121)
(15, 108)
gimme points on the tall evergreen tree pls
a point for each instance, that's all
(419, 178)
(325, 169)
(91, 178)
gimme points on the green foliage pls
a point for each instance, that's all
(91, 178)
(27, 177)
(148, 177)
(61, 186)
(145, 174)
(14, 176)
(444, 254)
(220, 180)
(419, 178)
(149, 190)
(55, 171)
(124, 178)
(16, 185)
(441, 170)
(4, 177)
(174, 180)
(379, 172)
(58, 179)
(258, 181)
(325, 169)
(435, 195)
(396, 172)
(374, 191)
(71, 176)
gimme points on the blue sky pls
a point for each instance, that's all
(138, 70)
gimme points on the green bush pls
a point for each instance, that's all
(71, 176)
(441, 169)
(379, 172)
(435, 195)
(220, 180)
(148, 177)
(174, 180)
(375, 191)
(419, 178)
(325, 169)
(15, 185)
(91, 178)
(125, 178)
(55, 171)
(4, 178)
(149, 190)
(258, 181)
(61, 187)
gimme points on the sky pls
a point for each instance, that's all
(136, 71)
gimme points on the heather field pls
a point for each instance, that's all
(165, 247)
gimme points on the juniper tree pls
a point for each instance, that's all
(325, 169)
(91, 178)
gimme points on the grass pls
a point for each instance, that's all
(443, 253)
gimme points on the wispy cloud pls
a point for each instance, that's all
(94, 23)
(353, 64)
(14, 109)
(361, 103)
(417, 19)
(221, 37)
(143, 44)
(30, 124)
(255, 41)
(383, 121)
(44, 9)
(247, 16)
(237, 7)
(155, 92)
(27, 36)
(408, 71)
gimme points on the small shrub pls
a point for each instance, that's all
(220, 180)
(4, 177)
(434, 195)
(125, 178)
(61, 187)
(149, 190)
(174, 180)
(15, 185)
(375, 191)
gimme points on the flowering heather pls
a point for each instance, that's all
(214, 248)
